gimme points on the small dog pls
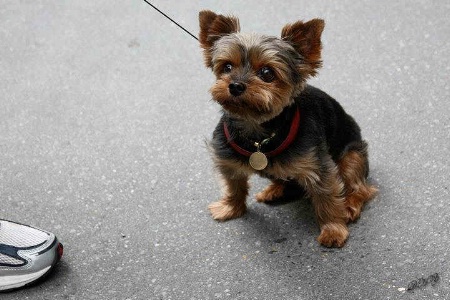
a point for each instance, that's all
(277, 126)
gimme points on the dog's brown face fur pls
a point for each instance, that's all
(257, 76)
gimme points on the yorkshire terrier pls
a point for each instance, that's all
(277, 126)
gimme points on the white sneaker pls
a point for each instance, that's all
(27, 254)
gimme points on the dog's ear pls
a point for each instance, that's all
(305, 38)
(212, 28)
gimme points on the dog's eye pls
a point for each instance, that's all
(266, 74)
(227, 68)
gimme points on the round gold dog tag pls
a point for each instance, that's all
(258, 161)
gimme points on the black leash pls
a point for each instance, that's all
(171, 19)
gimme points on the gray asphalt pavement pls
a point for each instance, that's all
(103, 117)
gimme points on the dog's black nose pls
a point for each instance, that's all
(236, 88)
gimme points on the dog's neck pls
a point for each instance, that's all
(250, 129)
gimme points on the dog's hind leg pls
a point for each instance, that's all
(353, 168)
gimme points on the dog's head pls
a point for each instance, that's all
(257, 76)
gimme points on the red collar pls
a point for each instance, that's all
(286, 143)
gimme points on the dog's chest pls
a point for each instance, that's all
(279, 171)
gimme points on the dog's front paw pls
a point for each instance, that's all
(270, 193)
(333, 235)
(224, 210)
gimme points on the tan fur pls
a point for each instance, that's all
(274, 191)
(232, 204)
(212, 27)
(305, 37)
(325, 188)
(234, 176)
(352, 167)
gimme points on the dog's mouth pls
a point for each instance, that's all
(241, 107)
(234, 102)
